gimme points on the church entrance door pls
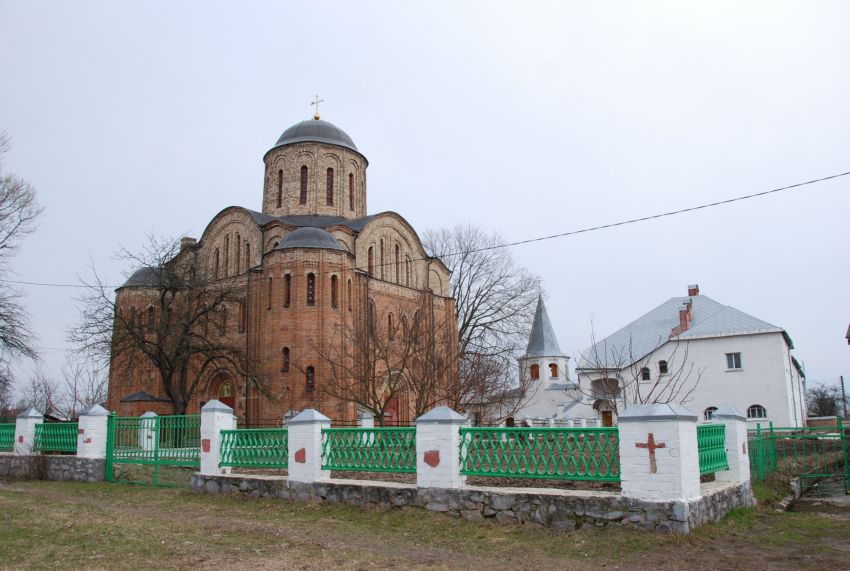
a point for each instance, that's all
(391, 412)
(226, 395)
(607, 418)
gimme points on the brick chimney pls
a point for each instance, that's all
(685, 317)
(693, 290)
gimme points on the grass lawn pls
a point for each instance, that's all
(115, 526)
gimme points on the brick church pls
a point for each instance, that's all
(311, 264)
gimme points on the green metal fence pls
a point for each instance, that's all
(369, 449)
(711, 440)
(551, 453)
(56, 437)
(157, 442)
(7, 437)
(807, 453)
(255, 448)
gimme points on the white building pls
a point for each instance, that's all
(690, 350)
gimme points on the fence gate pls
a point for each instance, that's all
(818, 456)
(153, 450)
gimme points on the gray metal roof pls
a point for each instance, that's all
(143, 396)
(302, 220)
(542, 341)
(144, 277)
(316, 131)
(648, 332)
(309, 237)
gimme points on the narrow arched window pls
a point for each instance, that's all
(349, 295)
(330, 197)
(644, 374)
(351, 191)
(150, 318)
(407, 271)
(397, 265)
(708, 413)
(227, 255)
(382, 259)
(334, 291)
(371, 262)
(243, 316)
(662, 367)
(553, 370)
(269, 295)
(311, 289)
(756, 411)
(287, 289)
(310, 380)
(284, 366)
(279, 188)
(216, 264)
(247, 256)
(371, 318)
(303, 198)
(390, 326)
(238, 255)
(133, 316)
(535, 372)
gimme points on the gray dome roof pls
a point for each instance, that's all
(316, 131)
(309, 237)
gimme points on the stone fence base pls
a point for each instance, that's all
(48, 467)
(558, 509)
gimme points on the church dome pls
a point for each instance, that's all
(309, 237)
(316, 131)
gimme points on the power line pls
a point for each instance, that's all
(540, 238)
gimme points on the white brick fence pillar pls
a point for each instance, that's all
(659, 455)
(147, 431)
(737, 454)
(305, 447)
(438, 449)
(215, 417)
(366, 420)
(25, 430)
(91, 432)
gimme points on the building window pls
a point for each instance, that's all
(644, 374)
(733, 360)
(756, 411)
(243, 316)
(284, 366)
(334, 291)
(535, 372)
(662, 367)
(287, 289)
(269, 295)
(247, 257)
(371, 318)
(238, 255)
(279, 188)
(383, 258)
(397, 265)
(351, 191)
(390, 329)
(150, 319)
(349, 295)
(553, 370)
(216, 264)
(330, 197)
(310, 380)
(303, 198)
(226, 255)
(708, 413)
(311, 289)
(407, 271)
(371, 261)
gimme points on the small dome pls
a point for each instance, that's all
(316, 131)
(309, 237)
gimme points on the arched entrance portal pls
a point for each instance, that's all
(223, 389)
(606, 411)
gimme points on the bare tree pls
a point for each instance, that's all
(824, 401)
(495, 299)
(42, 393)
(173, 322)
(83, 385)
(19, 211)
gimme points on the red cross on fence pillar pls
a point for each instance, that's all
(651, 445)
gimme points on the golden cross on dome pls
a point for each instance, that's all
(316, 103)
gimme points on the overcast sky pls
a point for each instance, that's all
(524, 118)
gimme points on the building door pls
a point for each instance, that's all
(226, 395)
(391, 412)
(607, 418)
